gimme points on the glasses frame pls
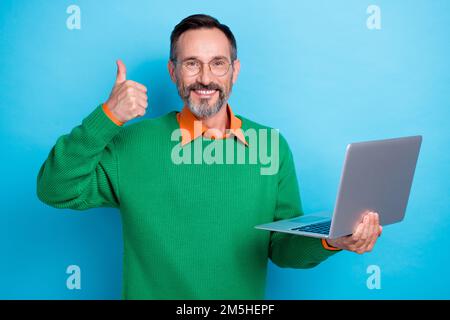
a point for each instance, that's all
(176, 62)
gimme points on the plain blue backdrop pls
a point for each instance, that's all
(310, 68)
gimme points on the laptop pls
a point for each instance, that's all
(377, 176)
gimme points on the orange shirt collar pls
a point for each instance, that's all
(192, 128)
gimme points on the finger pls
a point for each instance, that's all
(140, 111)
(131, 93)
(355, 238)
(357, 234)
(381, 231)
(374, 232)
(362, 241)
(130, 89)
(134, 84)
(371, 244)
(136, 101)
(137, 95)
(121, 72)
(141, 95)
(142, 103)
(370, 228)
(366, 231)
(136, 111)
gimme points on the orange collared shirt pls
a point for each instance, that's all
(192, 128)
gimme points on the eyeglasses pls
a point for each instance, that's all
(218, 66)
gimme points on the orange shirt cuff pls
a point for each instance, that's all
(328, 247)
(110, 115)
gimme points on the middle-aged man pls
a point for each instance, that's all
(188, 215)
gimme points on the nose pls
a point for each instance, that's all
(204, 77)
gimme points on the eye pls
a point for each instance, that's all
(219, 63)
(191, 64)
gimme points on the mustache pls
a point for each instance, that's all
(199, 86)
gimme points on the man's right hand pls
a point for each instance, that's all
(128, 99)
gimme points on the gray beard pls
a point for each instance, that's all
(202, 110)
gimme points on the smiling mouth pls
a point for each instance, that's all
(204, 94)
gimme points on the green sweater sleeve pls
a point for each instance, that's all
(289, 250)
(81, 170)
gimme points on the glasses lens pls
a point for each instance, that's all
(192, 67)
(219, 67)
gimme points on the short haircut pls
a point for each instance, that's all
(199, 21)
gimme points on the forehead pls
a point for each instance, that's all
(203, 44)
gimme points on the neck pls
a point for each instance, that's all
(220, 121)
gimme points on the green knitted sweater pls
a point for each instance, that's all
(188, 229)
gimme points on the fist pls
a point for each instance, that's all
(128, 99)
(364, 238)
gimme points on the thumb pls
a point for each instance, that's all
(121, 72)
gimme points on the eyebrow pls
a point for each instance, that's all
(196, 58)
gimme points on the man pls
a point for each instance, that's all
(188, 227)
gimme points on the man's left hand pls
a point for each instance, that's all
(364, 238)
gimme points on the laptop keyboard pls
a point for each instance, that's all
(321, 228)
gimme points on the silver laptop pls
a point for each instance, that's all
(377, 176)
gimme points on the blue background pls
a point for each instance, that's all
(310, 68)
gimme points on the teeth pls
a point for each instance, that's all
(205, 91)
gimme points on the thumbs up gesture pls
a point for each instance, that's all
(128, 99)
